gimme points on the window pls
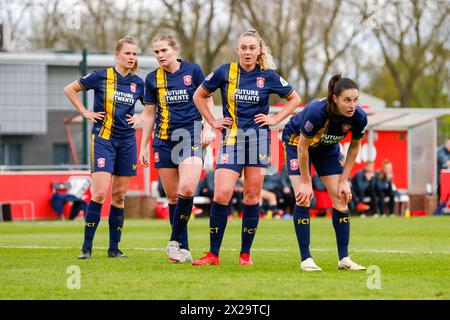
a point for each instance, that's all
(61, 153)
(11, 154)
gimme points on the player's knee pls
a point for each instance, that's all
(340, 205)
(251, 197)
(99, 196)
(187, 190)
(222, 196)
(118, 197)
(273, 199)
(172, 198)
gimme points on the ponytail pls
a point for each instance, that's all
(331, 106)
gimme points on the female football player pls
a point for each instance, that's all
(168, 102)
(113, 142)
(312, 136)
(245, 87)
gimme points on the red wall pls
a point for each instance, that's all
(36, 186)
(390, 145)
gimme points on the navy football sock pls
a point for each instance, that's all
(92, 220)
(116, 217)
(184, 235)
(341, 224)
(217, 224)
(250, 221)
(171, 212)
(302, 230)
(180, 220)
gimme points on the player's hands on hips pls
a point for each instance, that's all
(221, 124)
(265, 120)
(344, 191)
(305, 194)
(208, 136)
(93, 116)
(143, 158)
(133, 121)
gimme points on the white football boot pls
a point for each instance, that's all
(347, 264)
(173, 251)
(309, 265)
(185, 256)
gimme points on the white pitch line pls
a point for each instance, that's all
(231, 249)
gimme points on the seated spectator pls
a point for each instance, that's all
(277, 192)
(360, 207)
(269, 200)
(288, 196)
(364, 185)
(236, 206)
(443, 162)
(385, 187)
(161, 191)
(206, 185)
(271, 191)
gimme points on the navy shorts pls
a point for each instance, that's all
(253, 152)
(327, 161)
(116, 156)
(169, 154)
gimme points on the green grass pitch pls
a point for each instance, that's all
(410, 259)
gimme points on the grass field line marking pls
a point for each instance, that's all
(232, 249)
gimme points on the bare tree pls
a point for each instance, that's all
(102, 13)
(97, 24)
(275, 31)
(49, 24)
(202, 32)
(410, 37)
(307, 37)
(12, 15)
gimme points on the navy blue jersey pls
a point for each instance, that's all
(116, 96)
(313, 122)
(245, 94)
(172, 94)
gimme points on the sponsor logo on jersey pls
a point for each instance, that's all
(156, 156)
(308, 126)
(294, 164)
(101, 162)
(177, 96)
(133, 87)
(134, 166)
(187, 80)
(209, 76)
(364, 130)
(260, 82)
(283, 82)
(346, 127)
(224, 158)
